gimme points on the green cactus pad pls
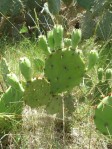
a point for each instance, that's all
(64, 70)
(14, 82)
(108, 74)
(58, 36)
(67, 2)
(93, 59)
(103, 116)
(54, 106)
(25, 67)
(100, 74)
(76, 37)
(54, 6)
(4, 69)
(38, 65)
(50, 39)
(42, 44)
(86, 4)
(11, 101)
(37, 93)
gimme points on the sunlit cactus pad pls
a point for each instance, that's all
(37, 93)
(11, 101)
(103, 116)
(64, 70)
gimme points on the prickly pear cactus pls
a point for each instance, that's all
(50, 39)
(58, 102)
(87, 25)
(11, 101)
(93, 59)
(64, 70)
(39, 65)
(67, 2)
(103, 115)
(104, 29)
(42, 44)
(101, 89)
(5, 6)
(4, 70)
(10, 7)
(25, 68)
(58, 36)
(37, 93)
(108, 74)
(54, 6)
(14, 82)
(76, 38)
(86, 4)
(100, 74)
(54, 106)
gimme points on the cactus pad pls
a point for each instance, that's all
(64, 70)
(25, 67)
(103, 116)
(11, 101)
(55, 105)
(37, 93)
(101, 89)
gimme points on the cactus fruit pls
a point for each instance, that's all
(108, 74)
(14, 82)
(54, 6)
(64, 70)
(100, 74)
(50, 39)
(93, 59)
(42, 44)
(67, 42)
(76, 38)
(103, 116)
(58, 36)
(37, 93)
(25, 68)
